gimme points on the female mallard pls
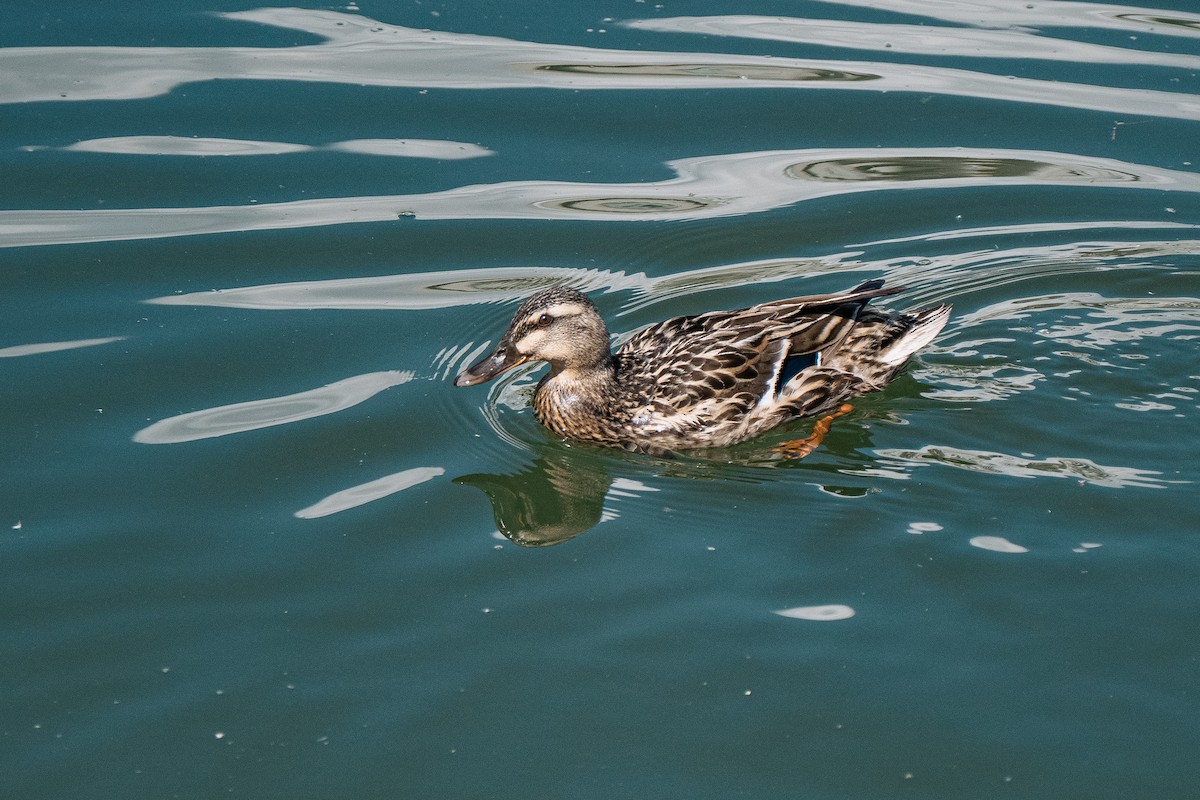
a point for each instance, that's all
(707, 380)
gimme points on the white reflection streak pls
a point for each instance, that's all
(1055, 226)
(1081, 469)
(368, 492)
(627, 487)
(16, 351)
(183, 146)
(444, 150)
(209, 146)
(704, 187)
(362, 51)
(918, 39)
(829, 613)
(1109, 321)
(256, 414)
(1042, 14)
(997, 544)
(933, 280)
(423, 291)
(411, 292)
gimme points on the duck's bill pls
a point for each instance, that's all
(502, 359)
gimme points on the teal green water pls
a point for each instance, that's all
(254, 544)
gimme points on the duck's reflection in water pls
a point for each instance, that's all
(553, 499)
(564, 492)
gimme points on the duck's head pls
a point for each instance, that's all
(557, 325)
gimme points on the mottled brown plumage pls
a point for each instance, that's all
(707, 380)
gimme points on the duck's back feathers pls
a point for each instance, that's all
(735, 367)
(716, 378)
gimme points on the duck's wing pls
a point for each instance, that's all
(811, 323)
(720, 365)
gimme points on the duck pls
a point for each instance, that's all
(706, 380)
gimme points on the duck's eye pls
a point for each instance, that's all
(544, 320)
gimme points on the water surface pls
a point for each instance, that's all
(255, 544)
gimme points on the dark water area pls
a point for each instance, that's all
(253, 543)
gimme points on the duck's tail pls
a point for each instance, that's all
(919, 329)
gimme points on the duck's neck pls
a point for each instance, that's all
(593, 375)
(572, 400)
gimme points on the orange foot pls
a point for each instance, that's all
(799, 448)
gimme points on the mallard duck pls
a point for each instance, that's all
(707, 380)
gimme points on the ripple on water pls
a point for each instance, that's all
(742, 72)
(969, 364)
(936, 168)
(704, 187)
(1080, 469)
(1017, 42)
(508, 409)
(1079, 330)
(409, 291)
(359, 51)
(631, 205)
(1107, 322)
(1047, 14)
